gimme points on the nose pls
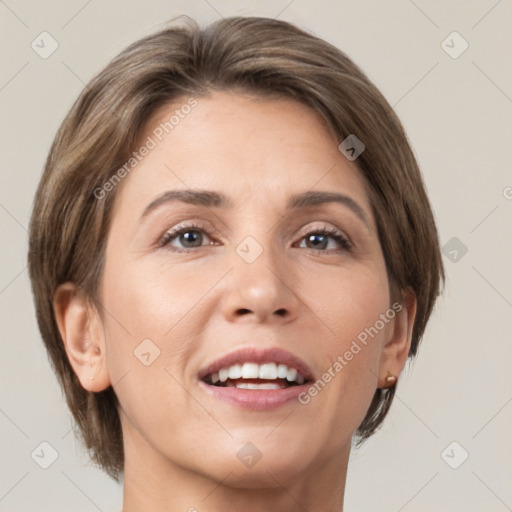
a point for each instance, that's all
(261, 291)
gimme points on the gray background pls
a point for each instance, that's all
(457, 113)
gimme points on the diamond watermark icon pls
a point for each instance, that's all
(454, 45)
(351, 147)
(454, 249)
(44, 455)
(44, 45)
(249, 455)
(249, 249)
(454, 455)
(146, 352)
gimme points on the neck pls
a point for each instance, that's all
(153, 482)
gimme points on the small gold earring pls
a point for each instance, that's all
(390, 380)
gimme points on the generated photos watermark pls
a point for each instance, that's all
(151, 142)
(354, 349)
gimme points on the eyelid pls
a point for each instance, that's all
(320, 226)
(317, 225)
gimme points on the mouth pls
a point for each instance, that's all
(257, 379)
(251, 375)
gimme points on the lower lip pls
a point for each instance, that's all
(255, 399)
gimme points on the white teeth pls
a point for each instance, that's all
(282, 371)
(235, 372)
(291, 374)
(250, 371)
(267, 371)
(265, 385)
(253, 385)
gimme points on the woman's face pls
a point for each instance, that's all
(187, 282)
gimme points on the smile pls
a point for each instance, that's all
(258, 379)
(256, 376)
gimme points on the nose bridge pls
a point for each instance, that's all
(259, 283)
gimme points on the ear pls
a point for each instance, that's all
(81, 329)
(398, 343)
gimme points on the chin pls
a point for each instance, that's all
(250, 468)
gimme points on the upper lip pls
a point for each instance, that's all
(260, 356)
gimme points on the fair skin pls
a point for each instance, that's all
(198, 302)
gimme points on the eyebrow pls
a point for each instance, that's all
(212, 199)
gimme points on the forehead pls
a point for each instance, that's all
(252, 148)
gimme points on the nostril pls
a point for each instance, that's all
(280, 312)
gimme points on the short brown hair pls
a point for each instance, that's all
(69, 225)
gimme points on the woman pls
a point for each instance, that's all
(232, 256)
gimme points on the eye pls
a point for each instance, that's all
(187, 236)
(193, 236)
(318, 240)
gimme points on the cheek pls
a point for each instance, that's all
(350, 304)
(148, 332)
(151, 301)
(347, 300)
(156, 315)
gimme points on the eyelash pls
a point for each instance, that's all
(342, 240)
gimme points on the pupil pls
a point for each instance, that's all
(312, 238)
(191, 237)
